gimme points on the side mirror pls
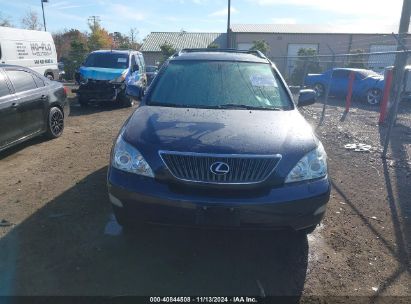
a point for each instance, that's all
(307, 97)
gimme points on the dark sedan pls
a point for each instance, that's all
(30, 105)
(218, 141)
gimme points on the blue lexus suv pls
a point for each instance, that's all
(219, 142)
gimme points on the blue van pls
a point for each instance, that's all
(105, 75)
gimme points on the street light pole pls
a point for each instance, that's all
(228, 23)
(44, 17)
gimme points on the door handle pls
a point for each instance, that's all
(14, 105)
(43, 97)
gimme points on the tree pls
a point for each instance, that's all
(77, 55)
(307, 62)
(5, 21)
(99, 38)
(31, 21)
(356, 61)
(261, 45)
(133, 39)
(167, 50)
(213, 45)
(63, 40)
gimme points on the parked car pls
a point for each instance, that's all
(105, 75)
(31, 49)
(218, 141)
(151, 71)
(30, 105)
(368, 85)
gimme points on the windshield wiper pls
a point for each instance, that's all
(246, 107)
(166, 104)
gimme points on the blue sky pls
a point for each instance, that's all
(207, 15)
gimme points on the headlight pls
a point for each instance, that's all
(121, 78)
(83, 80)
(129, 159)
(313, 165)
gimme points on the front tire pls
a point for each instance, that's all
(373, 96)
(319, 89)
(50, 76)
(82, 101)
(127, 101)
(55, 123)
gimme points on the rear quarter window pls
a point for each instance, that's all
(21, 80)
(4, 89)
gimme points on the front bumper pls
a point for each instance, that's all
(100, 90)
(295, 206)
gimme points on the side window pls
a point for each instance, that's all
(143, 65)
(359, 76)
(341, 74)
(137, 61)
(4, 89)
(21, 80)
(133, 61)
(39, 82)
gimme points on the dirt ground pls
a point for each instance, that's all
(58, 235)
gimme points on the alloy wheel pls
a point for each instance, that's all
(373, 96)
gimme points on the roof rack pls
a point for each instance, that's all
(252, 52)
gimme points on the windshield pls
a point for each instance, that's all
(219, 84)
(107, 60)
(368, 73)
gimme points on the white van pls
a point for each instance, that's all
(31, 49)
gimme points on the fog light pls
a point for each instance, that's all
(115, 201)
(320, 210)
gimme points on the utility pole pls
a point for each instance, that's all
(228, 23)
(44, 17)
(94, 20)
(399, 65)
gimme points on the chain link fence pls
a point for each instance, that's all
(356, 93)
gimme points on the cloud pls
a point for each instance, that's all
(63, 5)
(223, 12)
(126, 12)
(383, 9)
(284, 20)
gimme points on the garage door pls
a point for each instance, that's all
(379, 62)
(245, 46)
(292, 53)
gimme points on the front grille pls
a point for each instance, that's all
(243, 168)
(98, 84)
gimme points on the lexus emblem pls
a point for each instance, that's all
(220, 168)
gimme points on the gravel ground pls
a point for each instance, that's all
(58, 236)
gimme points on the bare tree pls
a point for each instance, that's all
(31, 21)
(133, 38)
(5, 21)
(133, 35)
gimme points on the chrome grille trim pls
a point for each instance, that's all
(244, 168)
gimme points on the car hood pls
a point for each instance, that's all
(153, 128)
(101, 73)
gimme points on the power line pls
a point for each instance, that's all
(94, 20)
